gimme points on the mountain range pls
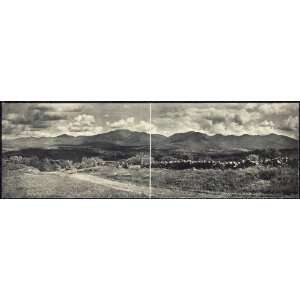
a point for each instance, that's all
(188, 141)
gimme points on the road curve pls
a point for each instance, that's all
(128, 187)
(117, 185)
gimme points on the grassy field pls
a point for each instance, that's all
(134, 176)
(20, 181)
(22, 184)
(256, 182)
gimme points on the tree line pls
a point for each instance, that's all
(48, 165)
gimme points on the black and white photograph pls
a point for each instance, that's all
(225, 150)
(150, 150)
(75, 150)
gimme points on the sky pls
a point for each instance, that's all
(226, 118)
(52, 119)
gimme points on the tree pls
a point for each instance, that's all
(45, 165)
(253, 157)
(168, 158)
(274, 153)
(269, 153)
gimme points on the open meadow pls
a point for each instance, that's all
(27, 182)
(253, 182)
(111, 181)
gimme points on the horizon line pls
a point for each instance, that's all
(134, 131)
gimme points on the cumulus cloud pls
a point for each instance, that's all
(50, 119)
(84, 124)
(129, 123)
(8, 127)
(59, 107)
(227, 118)
(123, 123)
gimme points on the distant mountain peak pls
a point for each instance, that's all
(121, 130)
(191, 141)
(194, 135)
(64, 136)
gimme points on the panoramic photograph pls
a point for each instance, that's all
(75, 150)
(225, 150)
(150, 150)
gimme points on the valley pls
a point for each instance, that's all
(117, 165)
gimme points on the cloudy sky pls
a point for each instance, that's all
(52, 119)
(226, 118)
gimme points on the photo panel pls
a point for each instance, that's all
(150, 150)
(75, 150)
(225, 150)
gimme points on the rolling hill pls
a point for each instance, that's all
(197, 142)
(188, 141)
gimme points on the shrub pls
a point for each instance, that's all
(168, 158)
(253, 157)
(267, 174)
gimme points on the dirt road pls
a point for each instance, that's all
(123, 186)
(117, 185)
(129, 187)
(144, 191)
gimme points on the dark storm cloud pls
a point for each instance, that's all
(36, 117)
(238, 120)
